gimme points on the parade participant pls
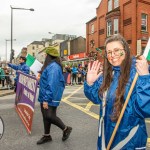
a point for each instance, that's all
(52, 85)
(21, 67)
(110, 89)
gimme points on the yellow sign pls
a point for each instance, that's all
(65, 52)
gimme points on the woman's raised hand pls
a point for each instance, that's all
(93, 72)
(142, 66)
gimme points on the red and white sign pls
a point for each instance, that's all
(77, 56)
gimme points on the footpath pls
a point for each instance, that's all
(5, 92)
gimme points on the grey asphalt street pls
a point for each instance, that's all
(83, 136)
(75, 110)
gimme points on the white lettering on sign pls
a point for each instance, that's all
(28, 82)
(76, 56)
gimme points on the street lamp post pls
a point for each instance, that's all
(31, 9)
(6, 47)
(50, 33)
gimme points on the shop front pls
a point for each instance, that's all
(75, 59)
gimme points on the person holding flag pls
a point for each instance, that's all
(111, 88)
(21, 67)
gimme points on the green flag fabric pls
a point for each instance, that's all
(147, 51)
(34, 64)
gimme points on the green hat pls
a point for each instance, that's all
(52, 51)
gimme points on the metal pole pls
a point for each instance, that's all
(122, 111)
(31, 9)
(11, 33)
(6, 50)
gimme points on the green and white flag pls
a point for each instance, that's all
(34, 64)
(147, 51)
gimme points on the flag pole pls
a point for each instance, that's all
(122, 112)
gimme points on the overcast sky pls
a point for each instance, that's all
(56, 16)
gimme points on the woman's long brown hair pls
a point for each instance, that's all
(50, 59)
(123, 79)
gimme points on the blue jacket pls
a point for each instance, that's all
(52, 85)
(21, 67)
(74, 70)
(138, 108)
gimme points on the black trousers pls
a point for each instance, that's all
(15, 86)
(74, 76)
(3, 82)
(50, 117)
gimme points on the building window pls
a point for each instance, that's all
(127, 21)
(33, 54)
(33, 48)
(101, 31)
(144, 22)
(92, 43)
(116, 3)
(143, 49)
(116, 27)
(129, 41)
(109, 5)
(92, 28)
(109, 28)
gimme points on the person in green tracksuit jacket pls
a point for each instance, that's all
(2, 77)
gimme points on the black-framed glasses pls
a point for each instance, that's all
(116, 52)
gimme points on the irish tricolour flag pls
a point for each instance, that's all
(34, 64)
(147, 51)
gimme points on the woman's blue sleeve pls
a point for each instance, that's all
(92, 92)
(142, 104)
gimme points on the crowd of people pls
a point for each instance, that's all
(75, 75)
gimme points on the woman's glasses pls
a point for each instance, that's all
(116, 52)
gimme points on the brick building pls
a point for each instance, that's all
(130, 18)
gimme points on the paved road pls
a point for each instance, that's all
(83, 136)
(75, 110)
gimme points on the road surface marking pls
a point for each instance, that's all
(89, 105)
(81, 109)
(148, 142)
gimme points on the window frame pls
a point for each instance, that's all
(146, 20)
(116, 26)
(109, 28)
(92, 28)
(110, 7)
(116, 3)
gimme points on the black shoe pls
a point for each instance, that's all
(44, 139)
(66, 133)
